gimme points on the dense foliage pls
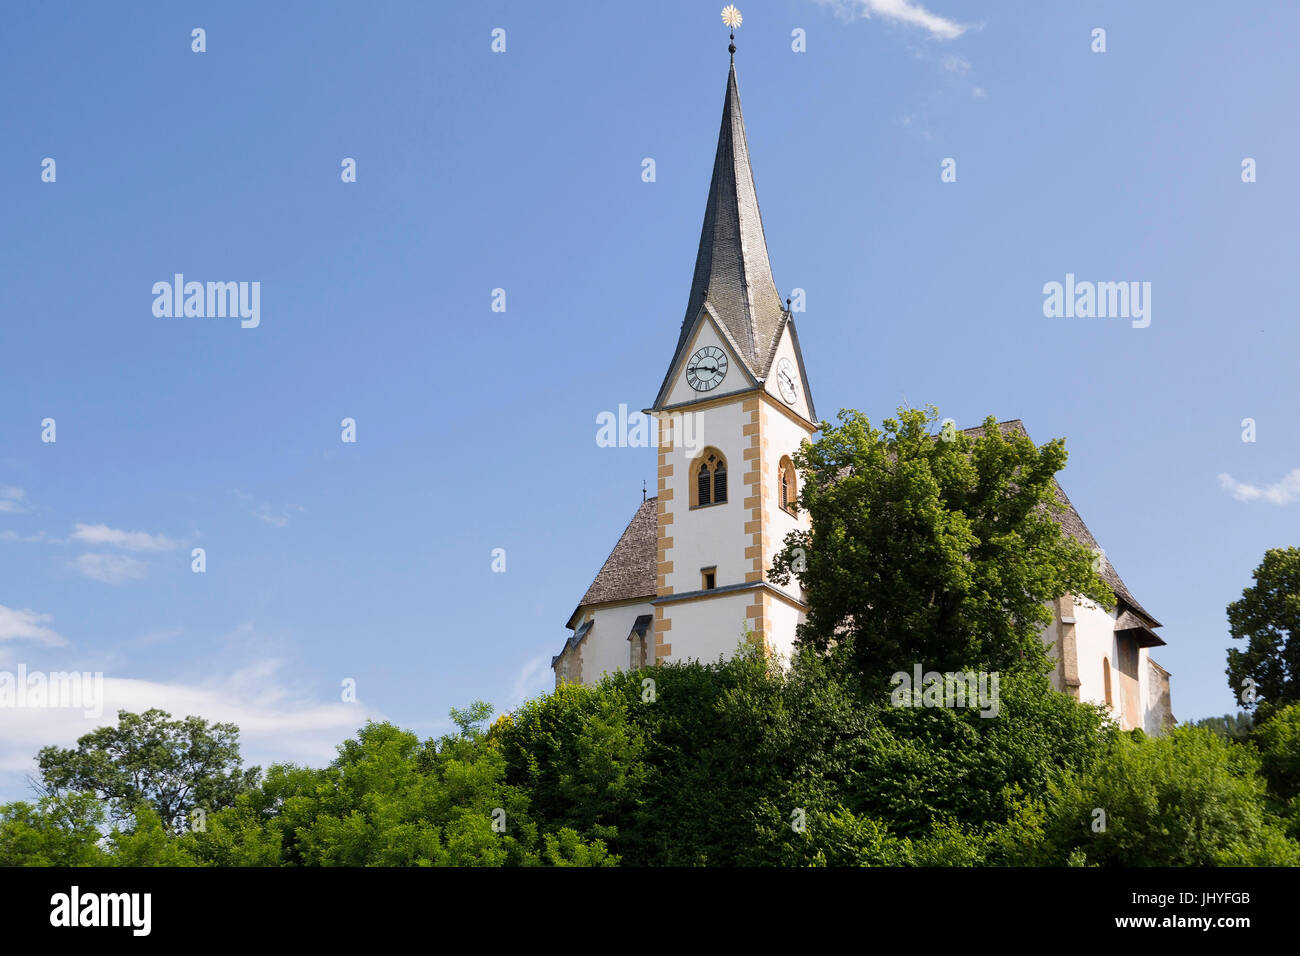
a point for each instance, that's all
(1230, 726)
(175, 766)
(730, 763)
(1266, 672)
(931, 545)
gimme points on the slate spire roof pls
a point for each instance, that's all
(733, 276)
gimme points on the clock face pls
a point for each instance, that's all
(707, 368)
(785, 379)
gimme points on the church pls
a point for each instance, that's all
(687, 577)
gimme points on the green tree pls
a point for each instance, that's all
(665, 779)
(919, 766)
(390, 800)
(1189, 798)
(255, 831)
(939, 548)
(1278, 742)
(173, 766)
(1230, 726)
(146, 843)
(1267, 618)
(922, 786)
(61, 830)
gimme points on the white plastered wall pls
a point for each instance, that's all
(782, 621)
(1097, 648)
(710, 627)
(606, 648)
(711, 536)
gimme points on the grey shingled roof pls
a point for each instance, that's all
(629, 571)
(733, 275)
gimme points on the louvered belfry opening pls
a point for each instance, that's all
(789, 491)
(710, 479)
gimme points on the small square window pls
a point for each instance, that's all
(710, 576)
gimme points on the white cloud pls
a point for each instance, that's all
(956, 64)
(11, 535)
(275, 520)
(901, 11)
(275, 722)
(13, 500)
(110, 568)
(27, 625)
(1279, 493)
(102, 534)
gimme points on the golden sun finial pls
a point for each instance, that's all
(731, 16)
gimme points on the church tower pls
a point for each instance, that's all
(687, 578)
(733, 408)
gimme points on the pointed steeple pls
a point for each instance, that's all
(733, 277)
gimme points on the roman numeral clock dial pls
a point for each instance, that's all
(707, 368)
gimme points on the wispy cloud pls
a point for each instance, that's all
(1279, 493)
(109, 568)
(10, 535)
(28, 625)
(900, 11)
(276, 519)
(533, 679)
(13, 500)
(103, 535)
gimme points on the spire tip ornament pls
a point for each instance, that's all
(732, 18)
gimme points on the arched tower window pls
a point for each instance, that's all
(709, 486)
(1105, 667)
(789, 490)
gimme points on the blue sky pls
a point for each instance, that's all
(521, 170)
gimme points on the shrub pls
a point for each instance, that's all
(1186, 799)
